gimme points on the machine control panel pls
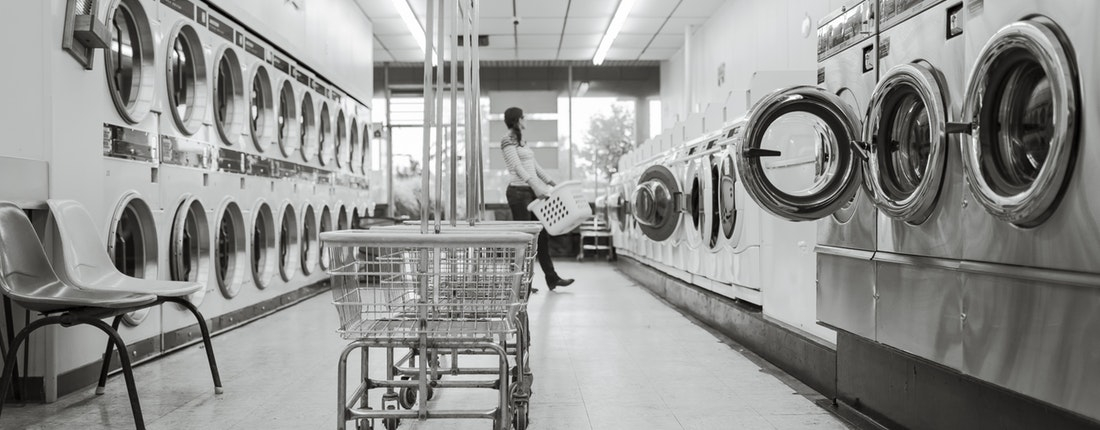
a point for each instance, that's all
(847, 28)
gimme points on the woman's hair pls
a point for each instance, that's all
(512, 116)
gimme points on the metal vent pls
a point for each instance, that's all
(83, 32)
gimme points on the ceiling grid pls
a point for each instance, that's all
(550, 30)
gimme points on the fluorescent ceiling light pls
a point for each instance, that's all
(613, 30)
(411, 22)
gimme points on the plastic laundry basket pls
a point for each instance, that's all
(565, 209)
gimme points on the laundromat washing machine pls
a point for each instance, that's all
(1029, 216)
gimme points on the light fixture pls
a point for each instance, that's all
(582, 90)
(613, 30)
(411, 22)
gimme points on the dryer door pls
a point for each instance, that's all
(657, 203)
(1022, 103)
(907, 131)
(714, 237)
(796, 155)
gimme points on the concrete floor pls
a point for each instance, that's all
(606, 355)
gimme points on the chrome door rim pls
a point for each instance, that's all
(831, 195)
(1033, 205)
(915, 206)
(654, 180)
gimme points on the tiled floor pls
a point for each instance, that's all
(606, 355)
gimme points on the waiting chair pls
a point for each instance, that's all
(85, 264)
(28, 279)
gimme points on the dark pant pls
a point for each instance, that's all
(518, 199)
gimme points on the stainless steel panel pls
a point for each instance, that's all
(920, 310)
(1070, 238)
(924, 37)
(846, 292)
(33, 177)
(1041, 339)
(854, 225)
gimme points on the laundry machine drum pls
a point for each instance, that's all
(324, 131)
(307, 128)
(129, 60)
(189, 247)
(261, 109)
(288, 243)
(1022, 104)
(186, 70)
(656, 203)
(229, 249)
(287, 120)
(132, 244)
(229, 110)
(907, 131)
(263, 245)
(309, 252)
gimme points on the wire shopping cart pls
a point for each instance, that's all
(402, 289)
(518, 348)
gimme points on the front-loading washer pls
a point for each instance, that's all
(1029, 218)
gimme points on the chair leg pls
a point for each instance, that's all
(11, 340)
(205, 340)
(127, 370)
(99, 389)
(13, 354)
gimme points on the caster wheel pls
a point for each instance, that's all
(364, 425)
(391, 423)
(520, 419)
(406, 397)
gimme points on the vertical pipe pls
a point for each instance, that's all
(570, 121)
(391, 205)
(441, 21)
(425, 181)
(467, 88)
(454, 113)
(476, 77)
(688, 96)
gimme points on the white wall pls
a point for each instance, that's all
(333, 37)
(748, 36)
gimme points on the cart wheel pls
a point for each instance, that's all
(520, 420)
(406, 397)
(365, 424)
(391, 423)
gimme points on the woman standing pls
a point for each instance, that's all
(528, 182)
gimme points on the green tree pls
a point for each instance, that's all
(610, 135)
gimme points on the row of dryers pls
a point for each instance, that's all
(945, 156)
(219, 157)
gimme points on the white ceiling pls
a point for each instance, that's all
(567, 30)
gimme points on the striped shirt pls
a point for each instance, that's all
(521, 164)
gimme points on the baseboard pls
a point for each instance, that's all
(811, 361)
(156, 347)
(900, 390)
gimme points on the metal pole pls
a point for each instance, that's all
(441, 21)
(477, 115)
(392, 205)
(467, 68)
(425, 181)
(570, 122)
(454, 114)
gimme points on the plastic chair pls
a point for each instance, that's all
(27, 278)
(85, 264)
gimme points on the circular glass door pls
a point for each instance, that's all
(287, 120)
(189, 247)
(263, 246)
(795, 156)
(907, 131)
(307, 124)
(656, 203)
(727, 196)
(324, 226)
(696, 195)
(1023, 106)
(288, 243)
(324, 130)
(186, 68)
(309, 252)
(261, 109)
(713, 234)
(132, 245)
(129, 59)
(341, 143)
(228, 97)
(229, 250)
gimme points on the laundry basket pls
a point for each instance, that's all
(565, 209)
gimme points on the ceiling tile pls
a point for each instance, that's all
(676, 25)
(622, 53)
(501, 41)
(652, 8)
(539, 41)
(540, 25)
(581, 54)
(658, 54)
(697, 8)
(582, 40)
(642, 25)
(407, 54)
(495, 26)
(376, 9)
(380, 55)
(631, 41)
(544, 8)
(666, 41)
(393, 41)
(586, 25)
(496, 8)
(593, 8)
(496, 54)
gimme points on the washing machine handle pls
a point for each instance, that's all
(758, 153)
(961, 128)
